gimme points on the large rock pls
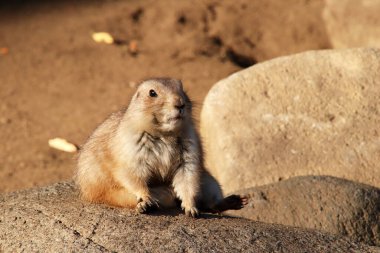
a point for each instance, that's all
(329, 204)
(54, 219)
(314, 113)
(353, 23)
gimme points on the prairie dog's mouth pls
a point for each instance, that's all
(176, 118)
(170, 123)
(166, 121)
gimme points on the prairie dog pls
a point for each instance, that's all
(149, 155)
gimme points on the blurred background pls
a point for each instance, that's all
(58, 80)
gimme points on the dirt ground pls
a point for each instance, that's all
(55, 81)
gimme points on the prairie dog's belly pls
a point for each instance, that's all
(158, 157)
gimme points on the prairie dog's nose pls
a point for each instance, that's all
(180, 105)
(180, 108)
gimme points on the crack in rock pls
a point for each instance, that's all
(76, 232)
(93, 232)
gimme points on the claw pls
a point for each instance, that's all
(146, 205)
(244, 200)
(192, 212)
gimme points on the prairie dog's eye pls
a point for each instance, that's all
(152, 93)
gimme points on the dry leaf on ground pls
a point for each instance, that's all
(63, 145)
(102, 37)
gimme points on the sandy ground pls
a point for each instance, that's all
(55, 81)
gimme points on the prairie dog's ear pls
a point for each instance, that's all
(179, 83)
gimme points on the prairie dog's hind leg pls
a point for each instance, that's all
(212, 200)
(113, 196)
(164, 196)
(119, 197)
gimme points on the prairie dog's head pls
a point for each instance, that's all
(161, 105)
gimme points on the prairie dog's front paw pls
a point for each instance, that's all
(192, 212)
(146, 204)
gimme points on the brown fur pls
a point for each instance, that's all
(149, 155)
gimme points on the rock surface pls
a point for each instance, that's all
(314, 113)
(352, 23)
(54, 219)
(329, 204)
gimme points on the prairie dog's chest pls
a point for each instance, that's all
(159, 157)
